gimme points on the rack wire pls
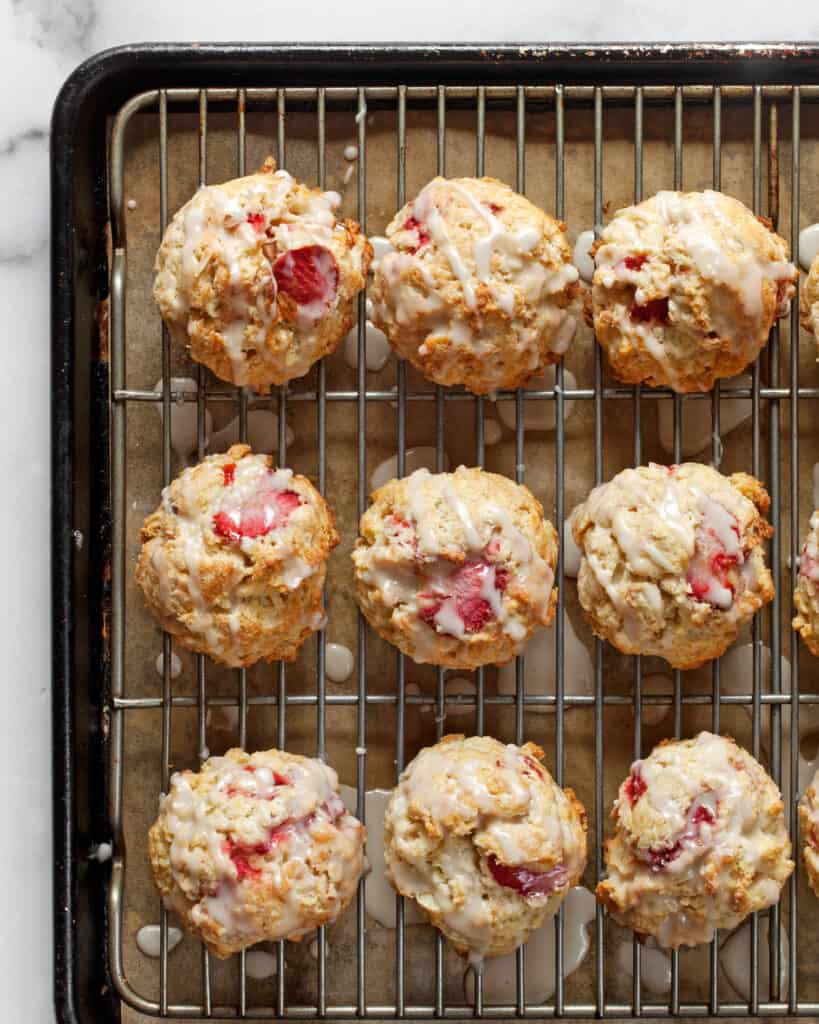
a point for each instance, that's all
(771, 391)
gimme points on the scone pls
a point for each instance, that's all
(255, 847)
(258, 277)
(233, 561)
(477, 288)
(809, 824)
(456, 569)
(483, 839)
(806, 592)
(700, 842)
(673, 562)
(809, 301)
(686, 289)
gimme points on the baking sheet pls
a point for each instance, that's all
(142, 755)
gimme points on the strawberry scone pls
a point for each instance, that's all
(700, 842)
(806, 592)
(809, 301)
(673, 563)
(233, 561)
(809, 824)
(686, 289)
(255, 847)
(482, 838)
(477, 289)
(258, 277)
(456, 569)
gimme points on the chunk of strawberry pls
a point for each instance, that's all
(465, 587)
(411, 224)
(634, 786)
(308, 275)
(808, 566)
(654, 311)
(494, 207)
(266, 510)
(228, 473)
(524, 881)
(636, 262)
(256, 221)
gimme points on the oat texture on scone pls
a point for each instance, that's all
(485, 842)
(258, 277)
(255, 847)
(672, 560)
(478, 288)
(456, 569)
(809, 825)
(234, 558)
(809, 301)
(687, 286)
(700, 842)
(806, 592)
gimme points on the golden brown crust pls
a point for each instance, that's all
(213, 861)
(667, 315)
(639, 536)
(464, 313)
(216, 283)
(396, 564)
(464, 805)
(236, 603)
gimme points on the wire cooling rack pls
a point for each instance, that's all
(775, 396)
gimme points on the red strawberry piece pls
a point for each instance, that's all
(701, 815)
(808, 566)
(240, 856)
(256, 221)
(494, 207)
(659, 859)
(501, 578)
(533, 764)
(524, 881)
(634, 786)
(656, 310)
(308, 275)
(228, 473)
(465, 587)
(266, 510)
(635, 262)
(411, 224)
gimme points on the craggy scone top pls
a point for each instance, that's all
(255, 847)
(686, 289)
(806, 591)
(673, 560)
(479, 834)
(234, 559)
(477, 289)
(456, 568)
(258, 276)
(700, 842)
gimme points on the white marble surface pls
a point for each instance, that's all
(41, 42)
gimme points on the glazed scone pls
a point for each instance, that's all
(478, 288)
(673, 562)
(809, 824)
(700, 842)
(806, 592)
(233, 561)
(809, 301)
(456, 569)
(259, 278)
(687, 286)
(255, 847)
(483, 839)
